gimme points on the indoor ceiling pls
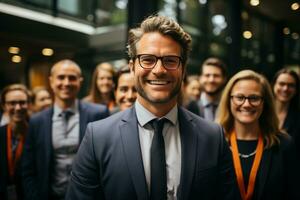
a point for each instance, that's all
(278, 10)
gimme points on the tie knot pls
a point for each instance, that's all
(211, 105)
(158, 124)
(66, 114)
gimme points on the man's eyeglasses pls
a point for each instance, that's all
(14, 103)
(148, 61)
(239, 100)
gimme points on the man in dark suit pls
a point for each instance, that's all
(213, 76)
(55, 134)
(154, 150)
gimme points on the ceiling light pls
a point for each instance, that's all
(295, 6)
(245, 15)
(247, 34)
(14, 50)
(16, 59)
(47, 52)
(254, 2)
(286, 31)
(295, 36)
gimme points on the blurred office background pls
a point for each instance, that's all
(262, 35)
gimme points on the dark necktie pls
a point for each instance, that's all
(158, 186)
(66, 114)
(214, 108)
(211, 111)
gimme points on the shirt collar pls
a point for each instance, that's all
(205, 102)
(58, 110)
(144, 116)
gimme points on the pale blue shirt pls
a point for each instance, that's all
(208, 111)
(65, 146)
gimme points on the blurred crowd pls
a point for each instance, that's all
(41, 129)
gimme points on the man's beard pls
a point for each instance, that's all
(175, 91)
(215, 92)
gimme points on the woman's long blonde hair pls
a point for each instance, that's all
(268, 120)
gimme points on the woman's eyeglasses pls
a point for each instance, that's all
(254, 100)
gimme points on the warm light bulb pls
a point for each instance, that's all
(295, 6)
(247, 34)
(16, 59)
(47, 52)
(14, 50)
(254, 2)
(286, 31)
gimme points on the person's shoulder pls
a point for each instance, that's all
(112, 119)
(92, 106)
(202, 124)
(40, 115)
(286, 142)
(108, 128)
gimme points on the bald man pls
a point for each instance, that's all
(55, 135)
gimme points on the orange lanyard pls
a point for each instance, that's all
(111, 105)
(12, 161)
(246, 194)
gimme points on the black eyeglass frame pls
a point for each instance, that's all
(161, 58)
(14, 103)
(249, 98)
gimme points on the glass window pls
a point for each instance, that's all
(110, 12)
(258, 44)
(291, 48)
(168, 8)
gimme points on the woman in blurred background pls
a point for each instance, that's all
(286, 90)
(190, 93)
(102, 86)
(263, 156)
(15, 100)
(41, 99)
(125, 92)
(192, 87)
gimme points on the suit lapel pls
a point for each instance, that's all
(3, 153)
(188, 149)
(83, 117)
(263, 172)
(47, 136)
(131, 145)
(201, 109)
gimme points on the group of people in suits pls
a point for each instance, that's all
(73, 150)
(49, 147)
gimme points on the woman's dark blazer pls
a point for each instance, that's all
(292, 126)
(4, 169)
(278, 176)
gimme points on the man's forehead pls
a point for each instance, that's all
(66, 68)
(211, 69)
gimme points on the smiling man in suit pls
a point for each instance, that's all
(156, 149)
(55, 134)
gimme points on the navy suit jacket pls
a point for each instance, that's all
(109, 164)
(4, 168)
(37, 156)
(292, 126)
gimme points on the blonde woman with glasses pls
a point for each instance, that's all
(263, 157)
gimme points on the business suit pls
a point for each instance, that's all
(278, 173)
(291, 125)
(109, 162)
(4, 168)
(38, 150)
